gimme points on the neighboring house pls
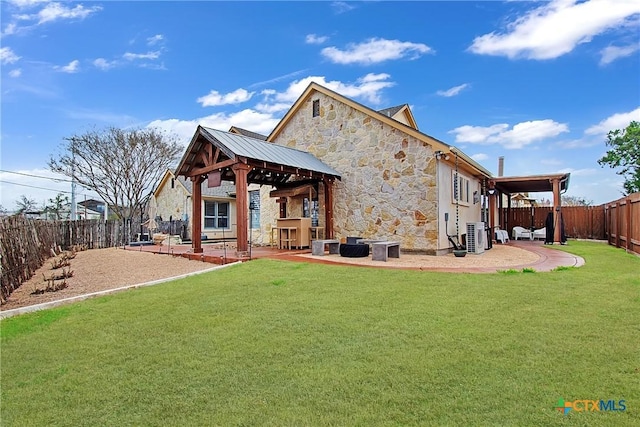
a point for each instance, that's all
(371, 173)
(173, 202)
(522, 200)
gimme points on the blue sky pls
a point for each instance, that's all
(540, 83)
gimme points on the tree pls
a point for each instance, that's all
(120, 165)
(575, 201)
(625, 154)
(56, 206)
(25, 204)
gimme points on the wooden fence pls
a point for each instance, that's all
(623, 222)
(580, 222)
(27, 243)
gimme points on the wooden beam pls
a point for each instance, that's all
(242, 206)
(557, 211)
(328, 208)
(196, 223)
(205, 170)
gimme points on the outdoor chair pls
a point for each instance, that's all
(502, 235)
(520, 233)
(540, 233)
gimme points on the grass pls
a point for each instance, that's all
(279, 343)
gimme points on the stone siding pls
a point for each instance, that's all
(388, 187)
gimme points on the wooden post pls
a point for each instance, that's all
(628, 236)
(242, 217)
(196, 221)
(328, 207)
(557, 211)
(618, 223)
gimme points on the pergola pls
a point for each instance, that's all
(555, 183)
(216, 156)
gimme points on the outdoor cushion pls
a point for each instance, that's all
(354, 251)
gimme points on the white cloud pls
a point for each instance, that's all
(11, 28)
(374, 51)
(616, 121)
(247, 119)
(103, 64)
(368, 87)
(342, 7)
(71, 67)
(151, 41)
(315, 39)
(579, 172)
(7, 56)
(27, 3)
(479, 157)
(556, 28)
(453, 91)
(611, 53)
(215, 98)
(519, 136)
(55, 11)
(135, 56)
(272, 108)
(15, 73)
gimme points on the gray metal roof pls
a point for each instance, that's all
(391, 111)
(239, 145)
(224, 190)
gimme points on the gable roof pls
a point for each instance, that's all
(435, 143)
(240, 131)
(400, 111)
(272, 164)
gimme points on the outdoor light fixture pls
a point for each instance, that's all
(492, 191)
(439, 155)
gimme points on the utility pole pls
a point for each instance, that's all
(74, 215)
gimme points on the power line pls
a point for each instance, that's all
(41, 188)
(37, 176)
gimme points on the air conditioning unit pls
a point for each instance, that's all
(476, 236)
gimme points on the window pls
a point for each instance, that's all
(460, 188)
(316, 108)
(310, 210)
(254, 208)
(216, 214)
(173, 183)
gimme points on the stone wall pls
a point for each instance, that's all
(388, 187)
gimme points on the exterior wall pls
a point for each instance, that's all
(467, 212)
(388, 188)
(401, 118)
(269, 211)
(175, 203)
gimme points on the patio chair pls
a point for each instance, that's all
(540, 233)
(501, 235)
(520, 232)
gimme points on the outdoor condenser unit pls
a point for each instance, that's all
(475, 237)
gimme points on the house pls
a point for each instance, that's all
(358, 171)
(173, 202)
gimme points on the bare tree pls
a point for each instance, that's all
(25, 204)
(120, 165)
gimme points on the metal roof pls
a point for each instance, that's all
(243, 146)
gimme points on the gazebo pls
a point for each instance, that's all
(555, 183)
(216, 155)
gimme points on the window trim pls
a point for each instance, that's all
(216, 217)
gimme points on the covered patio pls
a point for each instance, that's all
(554, 183)
(217, 156)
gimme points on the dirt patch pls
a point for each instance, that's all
(101, 269)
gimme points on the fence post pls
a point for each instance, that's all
(628, 224)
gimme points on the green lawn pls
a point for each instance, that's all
(280, 343)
